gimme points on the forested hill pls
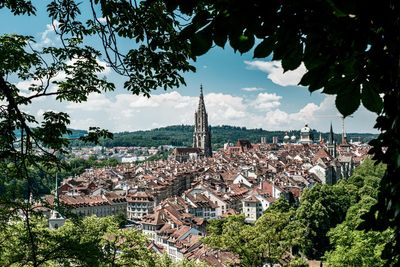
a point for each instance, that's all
(182, 135)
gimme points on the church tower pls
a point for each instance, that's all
(202, 132)
(332, 143)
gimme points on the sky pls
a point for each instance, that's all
(238, 90)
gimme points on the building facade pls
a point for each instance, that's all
(306, 135)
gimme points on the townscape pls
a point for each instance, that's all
(103, 164)
(171, 201)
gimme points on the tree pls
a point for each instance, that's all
(351, 246)
(273, 235)
(234, 235)
(92, 242)
(322, 207)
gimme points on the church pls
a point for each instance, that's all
(202, 132)
(201, 135)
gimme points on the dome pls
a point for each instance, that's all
(293, 138)
(286, 137)
(305, 129)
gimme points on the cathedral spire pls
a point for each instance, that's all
(202, 106)
(331, 138)
(202, 134)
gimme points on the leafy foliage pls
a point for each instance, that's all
(322, 208)
(265, 242)
(90, 242)
(351, 246)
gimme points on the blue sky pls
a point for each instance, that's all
(238, 91)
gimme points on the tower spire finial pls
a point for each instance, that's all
(331, 135)
(201, 89)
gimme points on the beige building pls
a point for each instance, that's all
(138, 205)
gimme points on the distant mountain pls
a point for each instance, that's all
(76, 133)
(182, 135)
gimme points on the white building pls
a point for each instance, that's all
(254, 207)
(305, 135)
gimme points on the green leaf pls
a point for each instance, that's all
(201, 42)
(220, 30)
(332, 87)
(264, 49)
(188, 31)
(306, 79)
(348, 101)
(220, 39)
(371, 99)
(243, 42)
(314, 79)
(292, 60)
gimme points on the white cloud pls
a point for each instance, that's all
(48, 37)
(102, 20)
(275, 72)
(252, 89)
(224, 107)
(127, 112)
(266, 101)
(281, 120)
(131, 112)
(24, 86)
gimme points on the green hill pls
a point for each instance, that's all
(182, 135)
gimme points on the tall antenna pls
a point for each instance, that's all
(56, 198)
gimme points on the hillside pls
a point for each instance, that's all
(182, 135)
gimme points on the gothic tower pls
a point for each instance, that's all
(332, 143)
(202, 132)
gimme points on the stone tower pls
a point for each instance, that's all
(202, 132)
(331, 143)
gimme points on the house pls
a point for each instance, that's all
(254, 206)
(138, 205)
(240, 179)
